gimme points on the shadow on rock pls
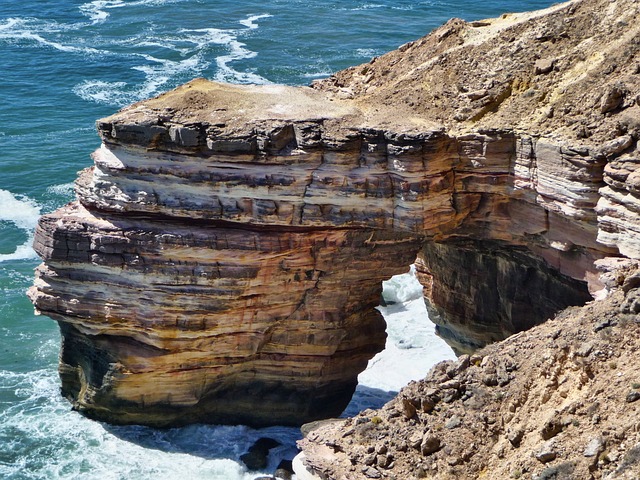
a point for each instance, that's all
(213, 442)
(367, 397)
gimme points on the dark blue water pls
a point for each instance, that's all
(65, 63)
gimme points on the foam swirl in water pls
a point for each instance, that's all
(23, 213)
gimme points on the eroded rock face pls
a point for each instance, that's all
(556, 401)
(203, 278)
(481, 292)
(225, 252)
(167, 322)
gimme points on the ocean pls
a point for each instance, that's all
(66, 63)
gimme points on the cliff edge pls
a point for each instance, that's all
(225, 253)
(558, 401)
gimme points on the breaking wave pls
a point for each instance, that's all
(22, 213)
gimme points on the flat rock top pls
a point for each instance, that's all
(234, 107)
(571, 72)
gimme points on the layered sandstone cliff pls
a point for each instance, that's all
(225, 252)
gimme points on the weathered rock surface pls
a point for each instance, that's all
(225, 252)
(166, 322)
(548, 403)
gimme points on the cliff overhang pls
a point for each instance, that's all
(224, 255)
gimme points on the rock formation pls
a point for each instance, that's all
(225, 252)
(558, 401)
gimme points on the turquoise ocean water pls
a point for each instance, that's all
(65, 63)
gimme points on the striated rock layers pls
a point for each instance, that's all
(224, 255)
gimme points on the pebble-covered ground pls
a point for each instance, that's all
(559, 401)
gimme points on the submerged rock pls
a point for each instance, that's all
(257, 457)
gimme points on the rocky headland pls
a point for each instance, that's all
(559, 401)
(225, 252)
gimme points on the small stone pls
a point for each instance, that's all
(594, 447)
(371, 472)
(452, 461)
(631, 282)
(476, 95)
(475, 359)
(490, 380)
(503, 379)
(427, 404)
(543, 66)
(348, 432)
(451, 384)
(284, 470)
(546, 453)
(601, 326)
(633, 396)
(459, 366)
(369, 459)
(383, 461)
(450, 395)
(613, 456)
(408, 409)
(515, 436)
(453, 422)
(551, 428)
(582, 131)
(430, 444)
(415, 440)
(612, 98)
(584, 350)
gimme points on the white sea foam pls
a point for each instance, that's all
(193, 45)
(402, 288)
(63, 190)
(319, 74)
(204, 37)
(366, 52)
(98, 10)
(367, 6)
(50, 441)
(108, 93)
(226, 73)
(16, 30)
(23, 213)
(250, 21)
(158, 73)
(412, 346)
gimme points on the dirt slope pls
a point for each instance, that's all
(557, 402)
(576, 74)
